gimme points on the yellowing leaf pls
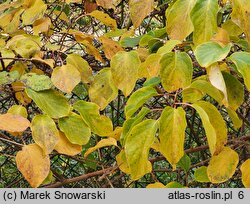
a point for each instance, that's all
(151, 66)
(102, 90)
(107, 3)
(13, 123)
(214, 125)
(8, 54)
(99, 124)
(242, 62)
(237, 122)
(90, 49)
(44, 132)
(75, 129)
(245, 170)
(217, 80)
(35, 10)
(66, 78)
(200, 174)
(204, 18)
(137, 148)
(211, 52)
(116, 134)
(222, 166)
(156, 185)
(50, 102)
(33, 164)
(82, 66)
(235, 90)
(168, 47)
(232, 29)
(104, 18)
(221, 37)
(20, 95)
(176, 71)
(18, 110)
(137, 99)
(241, 16)
(64, 146)
(179, 24)
(174, 184)
(103, 143)
(122, 162)
(41, 25)
(110, 47)
(124, 69)
(172, 134)
(139, 9)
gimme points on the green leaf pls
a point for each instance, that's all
(172, 134)
(241, 16)
(200, 174)
(82, 66)
(66, 77)
(204, 18)
(214, 125)
(242, 62)
(102, 90)
(99, 124)
(103, 143)
(75, 129)
(130, 42)
(211, 52)
(222, 166)
(179, 24)
(152, 82)
(174, 184)
(131, 122)
(176, 71)
(8, 77)
(185, 163)
(140, 5)
(44, 132)
(137, 148)
(124, 69)
(168, 47)
(137, 99)
(235, 90)
(50, 102)
(36, 82)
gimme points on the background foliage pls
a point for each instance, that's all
(117, 93)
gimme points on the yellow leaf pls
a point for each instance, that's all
(41, 25)
(66, 77)
(245, 170)
(18, 110)
(35, 10)
(92, 50)
(204, 18)
(241, 16)
(102, 90)
(116, 134)
(172, 134)
(156, 185)
(214, 125)
(82, 66)
(222, 166)
(179, 24)
(44, 132)
(104, 18)
(75, 129)
(221, 37)
(139, 9)
(64, 146)
(122, 162)
(107, 3)
(137, 146)
(99, 124)
(13, 123)
(168, 47)
(151, 67)
(103, 143)
(8, 54)
(33, 164)
(217, 80)
(232, 29)
(124, 69)
(110, 47)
